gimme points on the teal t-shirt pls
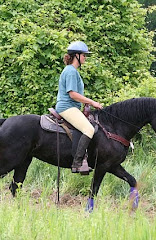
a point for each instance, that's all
(70, 80)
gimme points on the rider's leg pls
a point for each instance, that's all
(81, 150)
(75, 117)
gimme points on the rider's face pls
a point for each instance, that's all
(82, 58)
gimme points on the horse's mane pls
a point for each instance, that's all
(130, 110)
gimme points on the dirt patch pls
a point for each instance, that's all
(69, 201)
(65, 200)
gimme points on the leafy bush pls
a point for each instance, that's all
(34, 37)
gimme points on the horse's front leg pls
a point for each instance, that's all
(96, 181)
(19, 175)
(120, 172)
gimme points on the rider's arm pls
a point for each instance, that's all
(80, 98)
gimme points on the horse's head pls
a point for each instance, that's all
(153, 122)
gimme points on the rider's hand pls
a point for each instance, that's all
(97, 105)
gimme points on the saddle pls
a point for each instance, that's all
(53, 122)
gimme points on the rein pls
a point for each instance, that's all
(121, 119)
(112, 135)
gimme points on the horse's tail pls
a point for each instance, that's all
(2, 121)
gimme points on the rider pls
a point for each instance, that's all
(71, 95)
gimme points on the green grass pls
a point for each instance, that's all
(24, 219)
(33, 215)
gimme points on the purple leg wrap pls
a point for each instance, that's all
(134, 196)
(90, 205)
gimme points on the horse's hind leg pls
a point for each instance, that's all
(120, 172)
(19, 175)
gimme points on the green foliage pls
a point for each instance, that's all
(151, 25)
(147, 3)
(144, 88)
(34, 36)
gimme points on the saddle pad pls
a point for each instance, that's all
(49, 125)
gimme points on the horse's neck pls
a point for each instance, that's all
(141, 117)
(134, 116)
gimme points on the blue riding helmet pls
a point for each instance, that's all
(78, 47)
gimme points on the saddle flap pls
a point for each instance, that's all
(49, 125)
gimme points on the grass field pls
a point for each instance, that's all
(33, 214)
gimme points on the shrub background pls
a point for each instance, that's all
(34, 36)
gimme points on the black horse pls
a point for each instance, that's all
(22, 138)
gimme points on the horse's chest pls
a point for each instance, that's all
(114, 153)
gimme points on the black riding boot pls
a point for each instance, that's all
(77, 166)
